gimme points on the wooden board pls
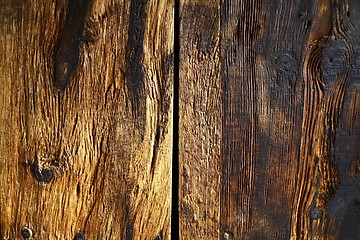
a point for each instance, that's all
(86, 119)
(269, 128)
(199, 120)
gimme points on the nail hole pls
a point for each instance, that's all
(228, 235)
(47, 174)
(26, 233)
(158, 237)
(308, 23)
(302, 14)
(79, 236)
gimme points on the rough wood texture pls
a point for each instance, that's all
(328, 180)
(269, 127)
(200, 121)
(85, 119)
(261, 55)
(289, 114)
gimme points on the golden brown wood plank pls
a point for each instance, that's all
(86, 126)
(200, 120)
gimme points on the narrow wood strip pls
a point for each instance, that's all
(200, 120)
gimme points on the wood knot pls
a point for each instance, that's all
(45, 168)
(42, 175)
(335, 61)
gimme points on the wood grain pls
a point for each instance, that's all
(324, 170)
(199, 120)
(269, 119)
(285, 107)
(85, 152)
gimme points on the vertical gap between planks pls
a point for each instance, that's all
(175, 156)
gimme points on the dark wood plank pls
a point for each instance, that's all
(328, 187)
(85, 119)
(289, 137)
(285, 77)
(261, 54)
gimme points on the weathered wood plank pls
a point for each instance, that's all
(262, 86)
(200, 120)
(327, 192)
(85, 111)
(262, 45)
(289, 117)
